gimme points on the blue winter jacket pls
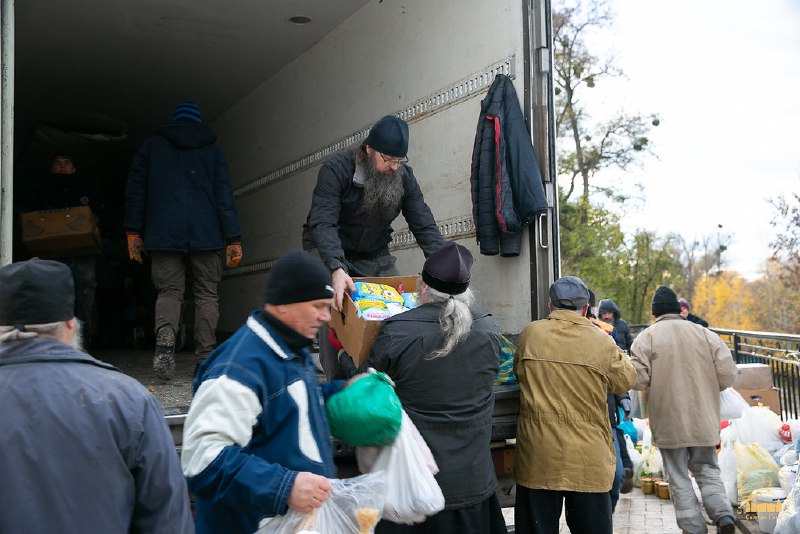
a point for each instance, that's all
(85, 448)
(179, 193)
(256, 420)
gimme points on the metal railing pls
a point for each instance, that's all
(780, 351)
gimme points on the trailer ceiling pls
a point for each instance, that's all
(132, 61)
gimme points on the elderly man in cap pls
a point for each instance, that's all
(359, 193)
(565, 451)
(685, 367)
(84, 447)
(179, 207)
(443, 356)
(256, 440)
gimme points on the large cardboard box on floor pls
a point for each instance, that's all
(768, 397)
(61, 232)
(356, 334)
(753, 376)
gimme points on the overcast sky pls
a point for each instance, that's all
(723, 76)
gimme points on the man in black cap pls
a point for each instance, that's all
(359, 193)
(256, 440)
(85, 447)
(443, 356)
(565, 454)
(179, 207)
(686, 366)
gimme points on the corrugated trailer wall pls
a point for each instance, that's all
(439, 55)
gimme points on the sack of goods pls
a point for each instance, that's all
(376, 302)
(365, 413)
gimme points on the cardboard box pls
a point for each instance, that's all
(768, 397)
(356, 334)
(753, 376)
(59, 233)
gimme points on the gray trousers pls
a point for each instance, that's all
(379, 266)
(702, 462)
(168, 270)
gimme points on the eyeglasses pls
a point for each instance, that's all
(393, 161)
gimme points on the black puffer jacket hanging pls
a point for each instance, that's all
(507, 190)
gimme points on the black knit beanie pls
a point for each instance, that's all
(298, 276)
(665, 301)
(36, 292)
(389, 136)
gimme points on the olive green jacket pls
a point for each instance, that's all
(566, 367)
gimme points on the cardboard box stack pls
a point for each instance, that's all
(60, 233)
(356, 334)
(754, 383)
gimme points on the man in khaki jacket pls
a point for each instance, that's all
(686, 366)
(566, 366)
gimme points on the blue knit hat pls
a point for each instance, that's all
(187, 111)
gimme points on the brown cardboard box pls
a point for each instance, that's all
(355, 334)
(753, 376)
(767, 396)
(61, 232)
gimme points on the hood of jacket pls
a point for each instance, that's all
(187, 134)
(608, 305)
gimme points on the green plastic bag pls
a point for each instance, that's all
(366, 413)
(505, 373)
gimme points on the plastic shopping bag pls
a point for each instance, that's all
(354, 508)
(731, 404)
(727, 465)
(758, 424)
(365, 413)
(789, 519)
(755, 469)
(412, 491)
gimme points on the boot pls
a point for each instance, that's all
(726, 525)
(627, 482)
(164, 359)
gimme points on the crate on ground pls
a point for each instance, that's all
(356, 334)
(60, 232)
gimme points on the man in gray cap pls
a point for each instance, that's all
(565, 454)
(359, 193)
(85, 448)
(686, 366)
(256, 442)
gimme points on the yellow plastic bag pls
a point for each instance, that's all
(755, 469)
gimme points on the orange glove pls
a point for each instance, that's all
(135, 247)
(233, 254)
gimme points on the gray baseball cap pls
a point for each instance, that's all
(569, 292)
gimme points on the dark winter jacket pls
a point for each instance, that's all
(621, 333)
(179, 193)
(339, 228)
(449, 399)
(507, 190)
(85, 448)
(697, 320)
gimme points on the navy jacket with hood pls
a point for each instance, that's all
(507, 190)
(621, 333)
(179, 193)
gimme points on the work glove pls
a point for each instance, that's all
(233, 255)
(626, 406)
(135, 247)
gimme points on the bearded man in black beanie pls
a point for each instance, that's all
(692, 366)
(256, 442)
(85, 447)
(359, 193)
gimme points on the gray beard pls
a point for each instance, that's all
(382, 192)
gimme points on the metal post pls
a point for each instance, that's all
(7, 131)
(736, 348)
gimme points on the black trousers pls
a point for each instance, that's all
(538, 511)
(483, 518)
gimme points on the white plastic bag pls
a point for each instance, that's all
(789, 520)
(758, 424)
(354, 508)
(634, 455)
(727, 465)
(412, 492)
(787, 476)
(731, 404)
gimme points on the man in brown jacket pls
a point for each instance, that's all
(686, 366)
(565, 451)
